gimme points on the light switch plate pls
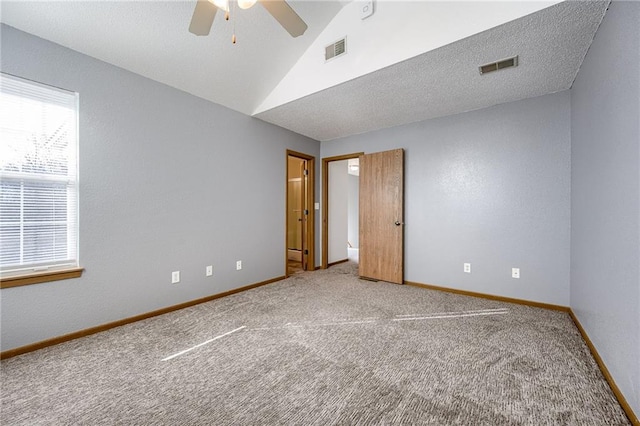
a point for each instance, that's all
(209, 270)
(515, 272)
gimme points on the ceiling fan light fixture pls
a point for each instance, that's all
(221, 4)
(205, 12)
(246, 4)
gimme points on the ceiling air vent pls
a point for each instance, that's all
(335, 49)
(495, 66)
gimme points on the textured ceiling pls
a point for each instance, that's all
(151, 38)
(551, 45)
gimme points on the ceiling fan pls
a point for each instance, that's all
(206, 10)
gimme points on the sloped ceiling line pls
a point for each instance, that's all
(408, 62)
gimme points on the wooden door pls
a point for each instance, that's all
(382, 216)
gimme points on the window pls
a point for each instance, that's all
(38, 178)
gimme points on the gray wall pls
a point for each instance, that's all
(353, 210)
(605, 198)
(338, 211)
(168, 181)
(489, 187)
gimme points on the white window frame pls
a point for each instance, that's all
(13, 91)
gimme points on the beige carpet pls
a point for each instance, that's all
(321, 348)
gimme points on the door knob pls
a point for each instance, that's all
(398, 223)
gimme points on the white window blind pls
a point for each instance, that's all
(38, 177)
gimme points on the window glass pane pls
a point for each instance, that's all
(10, 244)
(9, 202)
(45, 201)
(43, 243)
(35, 136)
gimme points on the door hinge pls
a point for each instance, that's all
(306, 172)
(306, 252)
(306, 212)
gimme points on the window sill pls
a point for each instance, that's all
(41, 277)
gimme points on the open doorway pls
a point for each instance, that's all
(340, 217)
(299, 239)
(353, 212)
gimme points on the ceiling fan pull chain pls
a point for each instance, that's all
(233, 19)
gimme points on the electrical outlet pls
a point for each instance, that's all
(238, 265)
(175, 277)
(467, 268)
(515, 272)
(209, 271)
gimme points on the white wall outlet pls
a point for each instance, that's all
(175, 277)
(515, 272)
(238, 265)
(209, 270)
(467, 268)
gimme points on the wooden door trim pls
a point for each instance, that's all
(325, 202)
(309, 244)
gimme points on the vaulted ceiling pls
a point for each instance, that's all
(407, 62)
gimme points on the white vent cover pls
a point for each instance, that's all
(499, 65)
(335, 49)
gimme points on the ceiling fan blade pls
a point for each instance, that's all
(202, 18)
(287, 17)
